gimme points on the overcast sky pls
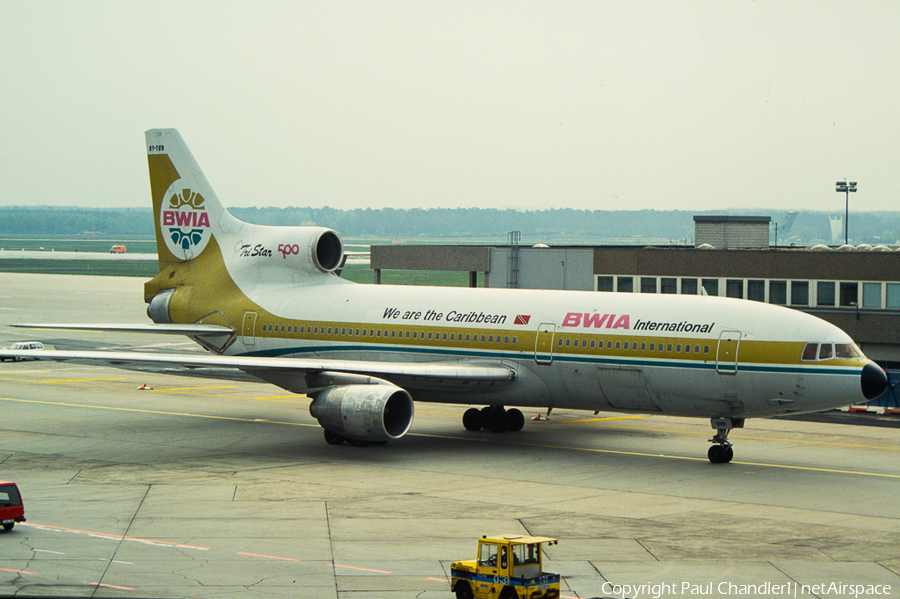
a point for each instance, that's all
(594, 105)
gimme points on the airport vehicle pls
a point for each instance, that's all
(23, 346)
(118, 249)
(265, 300)
(11, 508)
(507, 567)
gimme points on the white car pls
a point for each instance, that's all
(26, 345)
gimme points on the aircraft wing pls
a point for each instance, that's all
(302, 375)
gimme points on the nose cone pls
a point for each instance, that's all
(874, 381)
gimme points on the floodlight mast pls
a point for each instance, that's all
(847, 189)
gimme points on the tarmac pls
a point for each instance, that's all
(196, 487)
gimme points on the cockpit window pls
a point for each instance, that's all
(809, 352)
(846, 350)
(828, 351)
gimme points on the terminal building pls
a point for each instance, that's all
(855, 288)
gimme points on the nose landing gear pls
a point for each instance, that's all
(721, 451)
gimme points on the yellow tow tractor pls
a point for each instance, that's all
(507, 567)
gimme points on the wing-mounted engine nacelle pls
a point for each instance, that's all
(364, 412)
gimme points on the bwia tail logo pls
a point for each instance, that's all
(185, 222)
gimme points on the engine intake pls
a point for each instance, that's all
(364, 412)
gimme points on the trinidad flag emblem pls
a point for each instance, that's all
(523, 318)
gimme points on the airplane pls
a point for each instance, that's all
(265, 300)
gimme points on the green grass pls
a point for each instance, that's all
(129, 268)
(147, 270)
(49, 244)
(123, 268)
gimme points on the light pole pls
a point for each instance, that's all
(847, 188)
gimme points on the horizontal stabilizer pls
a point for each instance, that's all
(193, 330)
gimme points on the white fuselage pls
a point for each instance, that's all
(710, 356)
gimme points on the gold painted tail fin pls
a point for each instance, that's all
(186, 212)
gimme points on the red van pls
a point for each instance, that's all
(11, 508)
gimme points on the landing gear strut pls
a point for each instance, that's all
(494, 418)
(721, 451)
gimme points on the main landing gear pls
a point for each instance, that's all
(494, 418)
(721, 451)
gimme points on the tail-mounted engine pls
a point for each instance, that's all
(364, 412)
(264, 249)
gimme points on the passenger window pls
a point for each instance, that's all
(825, 351)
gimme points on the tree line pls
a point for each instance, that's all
(556, 225)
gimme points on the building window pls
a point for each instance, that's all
(778, 292)
(604, 283)
(825, 293)
(756, 290)
(711, 286)
(689, 286)
(849, 294)
(668, 285)
(648, 284)
(734, 288)
(871, 295)
(799, 293)
(893, 295)
(625, 284)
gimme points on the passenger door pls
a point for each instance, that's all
(543, 345)
(727, 352)
(248, 329)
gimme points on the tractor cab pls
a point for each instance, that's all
(507, 567)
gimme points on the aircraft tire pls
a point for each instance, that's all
(333, 438)
(472, 419)
(720, 454)
(515, 420)
(496, 420)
